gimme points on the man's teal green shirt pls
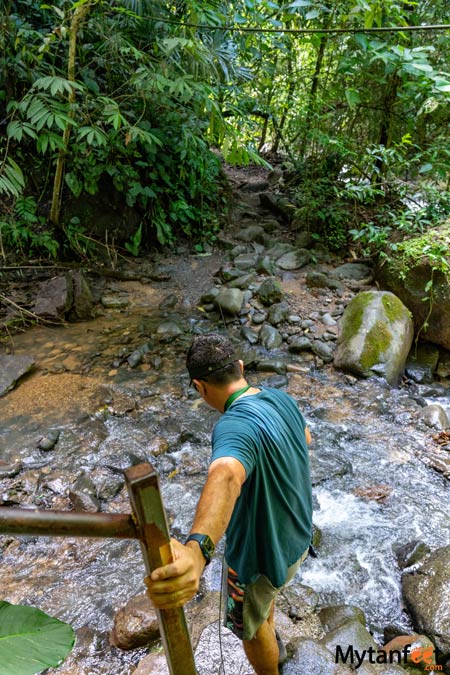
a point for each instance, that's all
(271, 525)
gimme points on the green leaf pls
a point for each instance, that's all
(74, 184)
(353, 97)
(425, 168)
(30, 640)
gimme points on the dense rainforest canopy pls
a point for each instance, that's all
(129, 106)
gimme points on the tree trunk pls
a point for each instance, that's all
(79, 15)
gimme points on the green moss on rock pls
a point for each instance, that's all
(393, 307)
(378, 340)
(354, 314)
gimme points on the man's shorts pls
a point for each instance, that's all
(247, 606)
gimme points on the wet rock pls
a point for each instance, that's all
(351, 632)
(246, 261)
(136, 624)
(249, 335)
(258, 318)
(49, 441)
(83, 495)
(377, 493)
(410, 553)
(135, 358)
(443, 368)
(333, 616)
(274, 381)
(169, 302)
(270, 291)
(114, 301)
(313, 658)
(435, 416)
(12, 368)
(299, 343)
(242, 282)
(376, 333)
(54, 297)
(323, 350)
(167, 331)
(230, 300)
(238, 250)
(82, 308)
(271, 366)
(251, 233)
(269, 337)
(422, 362)
(10, 468)
(210, 295)
(325, 465)
(354, 271)
(426, 592)
(107, 485)
(265, 266)
(158, 446)
(228, 273)
(298, 601)
(316, 279)
(328, 320)
(294, 260)
(303, 239)
(278, 313)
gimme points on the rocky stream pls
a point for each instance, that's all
(98, 396)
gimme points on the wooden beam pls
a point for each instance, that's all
(145, 497)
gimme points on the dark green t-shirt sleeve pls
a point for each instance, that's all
(231, 438)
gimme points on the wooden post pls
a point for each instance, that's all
(145, 497)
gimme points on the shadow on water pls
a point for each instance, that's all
(370, 489)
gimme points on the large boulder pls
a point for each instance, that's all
(426, 592)
(376, 333)
(408, 273)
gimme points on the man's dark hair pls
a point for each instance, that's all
(212, 358)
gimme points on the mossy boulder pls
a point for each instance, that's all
(418, 272)
(376, 333)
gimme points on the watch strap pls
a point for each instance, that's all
(201, 539)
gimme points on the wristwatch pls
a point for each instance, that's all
(206, 544)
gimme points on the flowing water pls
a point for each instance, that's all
(367, 443)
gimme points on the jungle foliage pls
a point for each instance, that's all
(130, 102)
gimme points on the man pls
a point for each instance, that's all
(258, 490)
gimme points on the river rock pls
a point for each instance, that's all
(435, 416)
(351, 632)
(49, 441)
(167, 331)
(266, 266)
(422, 362)
(269, 337)
(376, 333)
(270, 291)
(10, 468)
(410, 553)
(299, 343)
(426, 592)
(246, 261)
(242, 282)
(277, 204)
(210, 295)
(354, 271)
(83, 495)
(278, 313)
(54, 297)
(333, 616)
(230, 300)
(158, 446)
(114, 301)
(251, 233)
(82, 308)
(313, 658)
(271, 366)
(407, 272)
(323, 350)
(12, 368)
(249, 335)
(259, 317)
(169, 302)
(443, 368)
(136, 624)
(294, 260)
(326, 465)
(415, 650)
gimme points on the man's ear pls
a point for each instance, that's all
(200, 386)
(241, 363)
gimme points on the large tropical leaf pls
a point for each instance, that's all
(30, 640)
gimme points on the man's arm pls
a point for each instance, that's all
(174, 584)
